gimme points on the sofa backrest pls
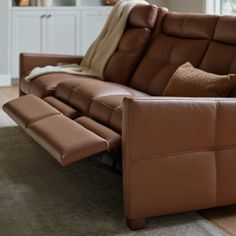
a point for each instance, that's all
(180, 38)
(136, 37)
(220, 57)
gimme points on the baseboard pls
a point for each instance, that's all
(5, 80)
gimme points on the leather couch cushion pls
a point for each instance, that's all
(81, 92)
(97, 99)
(124, 61)
(134, 41)
(108, 111)
(188, 81)
(181, 38)
(224, 28)
(45, 85)
(220, 57)
(193, 26)
(143, 16)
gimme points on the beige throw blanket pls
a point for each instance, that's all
(97, 56)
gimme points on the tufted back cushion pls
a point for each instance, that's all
(220, 57)
(181, 38)
(124, 61)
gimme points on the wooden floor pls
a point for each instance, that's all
(8, 93)
(224, 217)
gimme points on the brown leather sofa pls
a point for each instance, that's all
(179, 154)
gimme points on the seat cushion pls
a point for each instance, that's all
(97, 99)
(81, 92)
(45, 85)
(108, 111)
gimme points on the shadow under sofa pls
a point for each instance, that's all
(178, 154)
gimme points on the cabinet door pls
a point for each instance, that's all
(27, 35)
(62, 32)
(92, 22)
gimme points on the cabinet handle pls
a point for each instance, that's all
(43, 16)
(48, 16)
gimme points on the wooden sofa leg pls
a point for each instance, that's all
(136, 224)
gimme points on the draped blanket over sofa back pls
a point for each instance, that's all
(97, 56)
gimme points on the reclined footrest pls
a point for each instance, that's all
(66, 140)
(113, 138)
(28, 109)
(65, 109)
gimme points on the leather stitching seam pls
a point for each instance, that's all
(129, 158)
(42, 118)
(156, 156)
(83, 95)
(216, 151)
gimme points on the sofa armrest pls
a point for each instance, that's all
(29, 61)
(170, 151)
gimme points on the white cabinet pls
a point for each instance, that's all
(49, 31)
(57, 30)
(26, 36)
(92, 21)
(62, 33)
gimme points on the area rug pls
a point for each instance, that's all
(39, 197)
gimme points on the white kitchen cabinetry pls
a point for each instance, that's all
(52, 31)
(92, 22)
(57, 30)
(61, 32)
(26, 36)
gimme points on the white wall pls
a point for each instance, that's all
(196, 6)
(4, 43)
(161, 3)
